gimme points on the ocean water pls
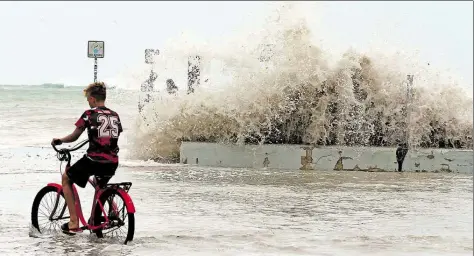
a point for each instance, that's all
(188, 210)
(33, 115)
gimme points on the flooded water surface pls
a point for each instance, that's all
(186, 210)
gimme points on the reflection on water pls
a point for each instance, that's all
(195, 211)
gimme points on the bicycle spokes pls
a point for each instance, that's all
(117, 214)
(51, 209)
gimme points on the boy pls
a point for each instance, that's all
(103, 129)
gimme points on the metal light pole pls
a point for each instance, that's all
(148, 86)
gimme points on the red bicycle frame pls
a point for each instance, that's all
(78, 206)
(97, 193)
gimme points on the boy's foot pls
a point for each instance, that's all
(70, 231)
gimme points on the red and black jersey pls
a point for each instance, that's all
(103, 129)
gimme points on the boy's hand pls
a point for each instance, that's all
(56, 141)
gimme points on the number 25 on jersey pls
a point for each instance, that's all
(109, 126)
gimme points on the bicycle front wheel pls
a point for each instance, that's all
(48, 209)
(121, 223)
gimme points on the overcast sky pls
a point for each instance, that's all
(46, 41)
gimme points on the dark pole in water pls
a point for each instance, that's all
(148, 86)
(402, 148)
(95, 49)
(408, 106)
(95, 70)
(194, 72)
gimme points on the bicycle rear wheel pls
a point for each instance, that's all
(48, 210)
(118, 215)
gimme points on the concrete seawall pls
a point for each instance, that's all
(294, 157)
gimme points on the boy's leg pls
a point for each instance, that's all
(70, 201)
(78, 173)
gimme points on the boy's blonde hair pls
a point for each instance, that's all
(96, 90)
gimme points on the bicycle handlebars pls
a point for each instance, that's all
(65, 150)
(64, 154)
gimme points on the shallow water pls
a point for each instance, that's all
(186, 210)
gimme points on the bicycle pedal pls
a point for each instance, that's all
(101, 219)
(69, 234)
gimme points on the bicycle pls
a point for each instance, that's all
(101, 221)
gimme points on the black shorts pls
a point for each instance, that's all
(81, 170)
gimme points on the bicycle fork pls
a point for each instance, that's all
(56, 203)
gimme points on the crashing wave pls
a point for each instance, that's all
(295, 95)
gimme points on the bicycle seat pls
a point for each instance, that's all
(102, 180)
